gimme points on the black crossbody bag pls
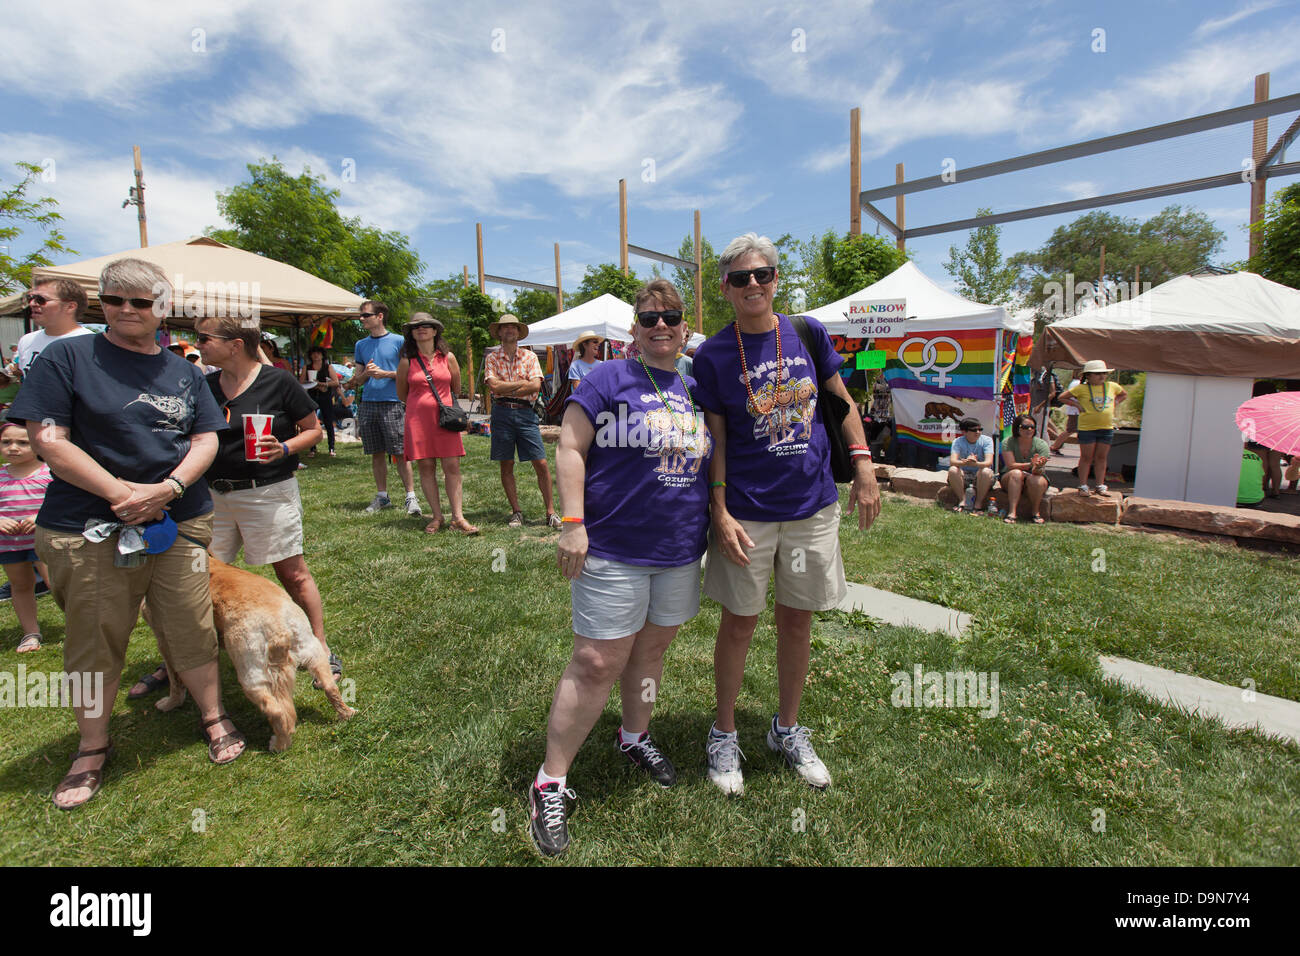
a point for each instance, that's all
(451, 417)
(834, 409)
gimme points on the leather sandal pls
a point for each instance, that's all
(151, 683)
(93, 779)
(225, 740)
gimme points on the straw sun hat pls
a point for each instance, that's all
(1096, 365)
(585, 337)
(508, 319)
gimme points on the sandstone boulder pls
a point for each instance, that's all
(917, 482)
(1212, 519)
(884, 472)
(550, 433)
(1072, 506)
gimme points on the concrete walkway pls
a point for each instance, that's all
(1272, 716)
(904, 611)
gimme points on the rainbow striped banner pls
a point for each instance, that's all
(960, 363)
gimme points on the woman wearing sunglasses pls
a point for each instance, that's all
(1023, 461)
(633, 474)
(775, 507)
(128, 429)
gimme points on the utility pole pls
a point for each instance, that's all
(136, 198)
(855, 172)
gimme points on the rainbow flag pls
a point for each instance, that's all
(960, 363)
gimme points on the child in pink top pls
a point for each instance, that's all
(22, 489)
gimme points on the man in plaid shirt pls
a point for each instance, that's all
(515, 378)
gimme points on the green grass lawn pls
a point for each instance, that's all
(454, 646)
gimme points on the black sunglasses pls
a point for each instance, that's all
(424, 325)
(118, 301)
(366, 315)
(739, 278)
(204, 338)
(35, 298)
(672, 318)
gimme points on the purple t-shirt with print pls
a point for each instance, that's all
(646, 497)
(778, 456)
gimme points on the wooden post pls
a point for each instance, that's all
(899, 219)
(1101, 277)
(559, 288)
(139, 198)
(855, 172)
(469, 344)
(699, 277)
(1137, 283)
(622, 224)
(1258, 150)
(478, 231)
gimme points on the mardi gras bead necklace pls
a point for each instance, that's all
(744, 368)
(690, 398)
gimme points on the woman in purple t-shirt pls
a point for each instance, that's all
(633, 469)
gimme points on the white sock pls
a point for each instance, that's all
(780, 729)
(409, 495)
(382, 494)
(627, 738)
(715, 732)
(543, 778)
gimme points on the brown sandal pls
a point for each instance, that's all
(86, 778)
(225, 740)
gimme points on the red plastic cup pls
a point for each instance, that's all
(255, 427)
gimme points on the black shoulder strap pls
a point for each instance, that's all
(805, 336)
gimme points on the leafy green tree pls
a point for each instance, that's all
(18, 212)
(533, 305)
(980, 273)
(294, 219)
(604, 278)
(1278, 257)
(853, 262)
(1169, 244)
(716, 310)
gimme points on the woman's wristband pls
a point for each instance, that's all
(567, 519)
(717, 484)
(284, 447)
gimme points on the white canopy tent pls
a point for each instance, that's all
(928, 306)
(1202, 340)
(607, 316)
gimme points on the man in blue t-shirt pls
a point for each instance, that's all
(381, 421)
(971, 464)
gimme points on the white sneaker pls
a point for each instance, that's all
(797, 750)
(380, 502)
(413, 506)
(724, 763)
(1102, 489)
(1084, 490)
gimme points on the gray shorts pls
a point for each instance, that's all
(612, 599)
(381, 426)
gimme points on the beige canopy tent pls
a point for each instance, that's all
(1202, 340)
(1234, 325)
(209, 275)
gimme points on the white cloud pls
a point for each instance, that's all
(1215, 24)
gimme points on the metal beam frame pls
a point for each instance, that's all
(660, 257)
(501, 280)
(881, 218)
(1132, 195)
(1151, 134)
(1283, 141)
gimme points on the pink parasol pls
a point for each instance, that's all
(1272, 421)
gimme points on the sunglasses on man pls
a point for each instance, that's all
(672, 318)
(117, 301)
(739, 278)
(35, 298)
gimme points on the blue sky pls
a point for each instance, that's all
(525, 119)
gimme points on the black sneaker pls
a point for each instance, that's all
(549, 826)
(7, 591)
(646, 755)
(41, 587)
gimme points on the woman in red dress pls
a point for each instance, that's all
(425, 356)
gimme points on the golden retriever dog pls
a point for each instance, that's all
(267, 637)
